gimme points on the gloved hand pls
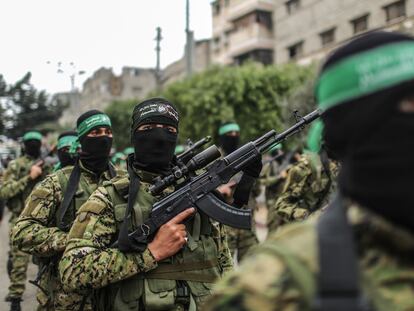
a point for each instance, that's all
(254, 168)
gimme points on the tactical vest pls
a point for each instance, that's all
(82, 194)
(196, 266)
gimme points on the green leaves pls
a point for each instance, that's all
(23, 107)
(252, 95)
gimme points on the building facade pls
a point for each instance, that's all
(104, 87)
(282, 31)
(201, 61)
(242, 30)
(306, 30)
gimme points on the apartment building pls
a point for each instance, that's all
(281, 31)
(242, 30)
(306, 30)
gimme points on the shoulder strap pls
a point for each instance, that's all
(112, 171)
(125, 243)
(68, 196)
(339, 288)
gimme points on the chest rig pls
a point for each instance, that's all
(180, 282)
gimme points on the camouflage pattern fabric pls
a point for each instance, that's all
(307, 189)
(281, 273)
(19, 261)
(15, 188)
(239, 240)
(36, 233)
(89, 262)
(273, 181)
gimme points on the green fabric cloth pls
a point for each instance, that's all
(32, 135)
(231, 127)
(91, 122)
(66, 141)
(367, 72)
(315, 136)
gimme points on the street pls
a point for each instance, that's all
(29, 299)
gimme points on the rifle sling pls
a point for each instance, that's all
(338, 288)
(124, 242)
(68, 196)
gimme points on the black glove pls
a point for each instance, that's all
(254, 167)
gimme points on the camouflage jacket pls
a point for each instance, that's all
(17, 184)
(36, 231)
(269, 278)
(308, 187)
(89, 262)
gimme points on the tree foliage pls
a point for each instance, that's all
(252, 95)
(28, 108)
(120, 113)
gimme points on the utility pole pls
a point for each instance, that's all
(189, 41)
(158, 38)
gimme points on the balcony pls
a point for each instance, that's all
(253, 37)
(243, 7)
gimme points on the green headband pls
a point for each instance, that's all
(128, 150)
(32, 135)
(315, 136)
(179, 149)
(275, 147)
(66, 141)
(231, 127)
(366, 73)
(117, 156)
(93, 121)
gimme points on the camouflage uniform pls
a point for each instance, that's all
(123, 281)
(273, 181)
(36, 232)
(282, 272)
(240, 240)
(16, 187)
(308, 187)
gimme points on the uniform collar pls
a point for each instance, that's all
(105, 175)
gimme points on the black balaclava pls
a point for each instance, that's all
(154, 148)
(65, 157)
(373, 140)
(227, 142)
(32, 148)
(95, 150)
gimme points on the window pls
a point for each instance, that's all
(216, 7)
(226, 38)
(262, 56)
(216, 44)
(360, 24)
(327, 37)
(295, 51)
(394, 10)
(265, 19)
(292, 6)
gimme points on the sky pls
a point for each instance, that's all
(37, 35)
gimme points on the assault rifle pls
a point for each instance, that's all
(198, 190)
